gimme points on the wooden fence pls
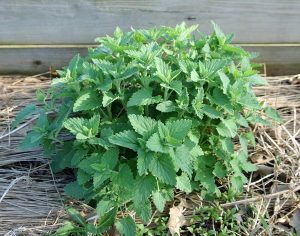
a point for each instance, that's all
(38, 34)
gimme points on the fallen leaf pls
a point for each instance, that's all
(177, 219)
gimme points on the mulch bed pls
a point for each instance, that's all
(31, 197)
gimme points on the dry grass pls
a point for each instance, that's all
(31, 197)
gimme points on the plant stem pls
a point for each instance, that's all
(157, 185)
(109, 112)
(103, 113)
(180, 114)
(166, 94)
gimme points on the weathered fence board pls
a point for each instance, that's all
(80, 21)
(66, 27)
(279, 59)
(35, 60)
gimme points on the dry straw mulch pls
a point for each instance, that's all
(31, 197)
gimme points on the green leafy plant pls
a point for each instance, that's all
(213, 220)
(149, 111)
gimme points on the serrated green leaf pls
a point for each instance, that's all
(155, 144)
(234, 49)
(78, 156)
(254, 119)
(244, 163)
(251, 139)
(174, 85)
(227, 145)
(249, 101)
(273, 114)
(197, 151)
(225, 81)
(74, 190)
(237, 183)
(143, 161)
(166, 106)
(211, 112)
(219, 170)
(197, 103)
(257, 80)
(91, 229)
(108, 98)
(32, 140)
(143, 187)
(235, 164)
(126, 226)
(87, 162)
(183, 160)
(163, 131)
(25, 112)
(87, 101)
(106, 133)
(159, 200)
(74, 65)
(67, 229)
(183, 66)
(82, 177)
(205, 175)
(129, 72)
(42, 123)
(142, 125)
(208, 69)
(220, 35)
(163, 70)
(124, 178)
(99, 141)
(183, 183)
(103, 207)
(200, 94)
(194, 76)
(143, 97)
(241, 120)
(246, 65)
(179, 128)
(93, 123)
(83, 128)
(76, 216)
(244, 143)
(126, 139)
(110, 158)
(220, 99)
(101, 176)
(163, 168)
(143, 210)
(183, 100)
(227, 128)
(106, 221)
(248, 166)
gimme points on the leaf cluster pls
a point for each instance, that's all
(151, 111)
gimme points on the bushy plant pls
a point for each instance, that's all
(150, 111)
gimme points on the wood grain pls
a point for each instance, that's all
(36, 60)
(280, 60)
(80, 21)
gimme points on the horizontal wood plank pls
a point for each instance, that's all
(280, 60)
(36, 60)
(80, 21)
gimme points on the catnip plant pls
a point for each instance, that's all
(147, 112)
